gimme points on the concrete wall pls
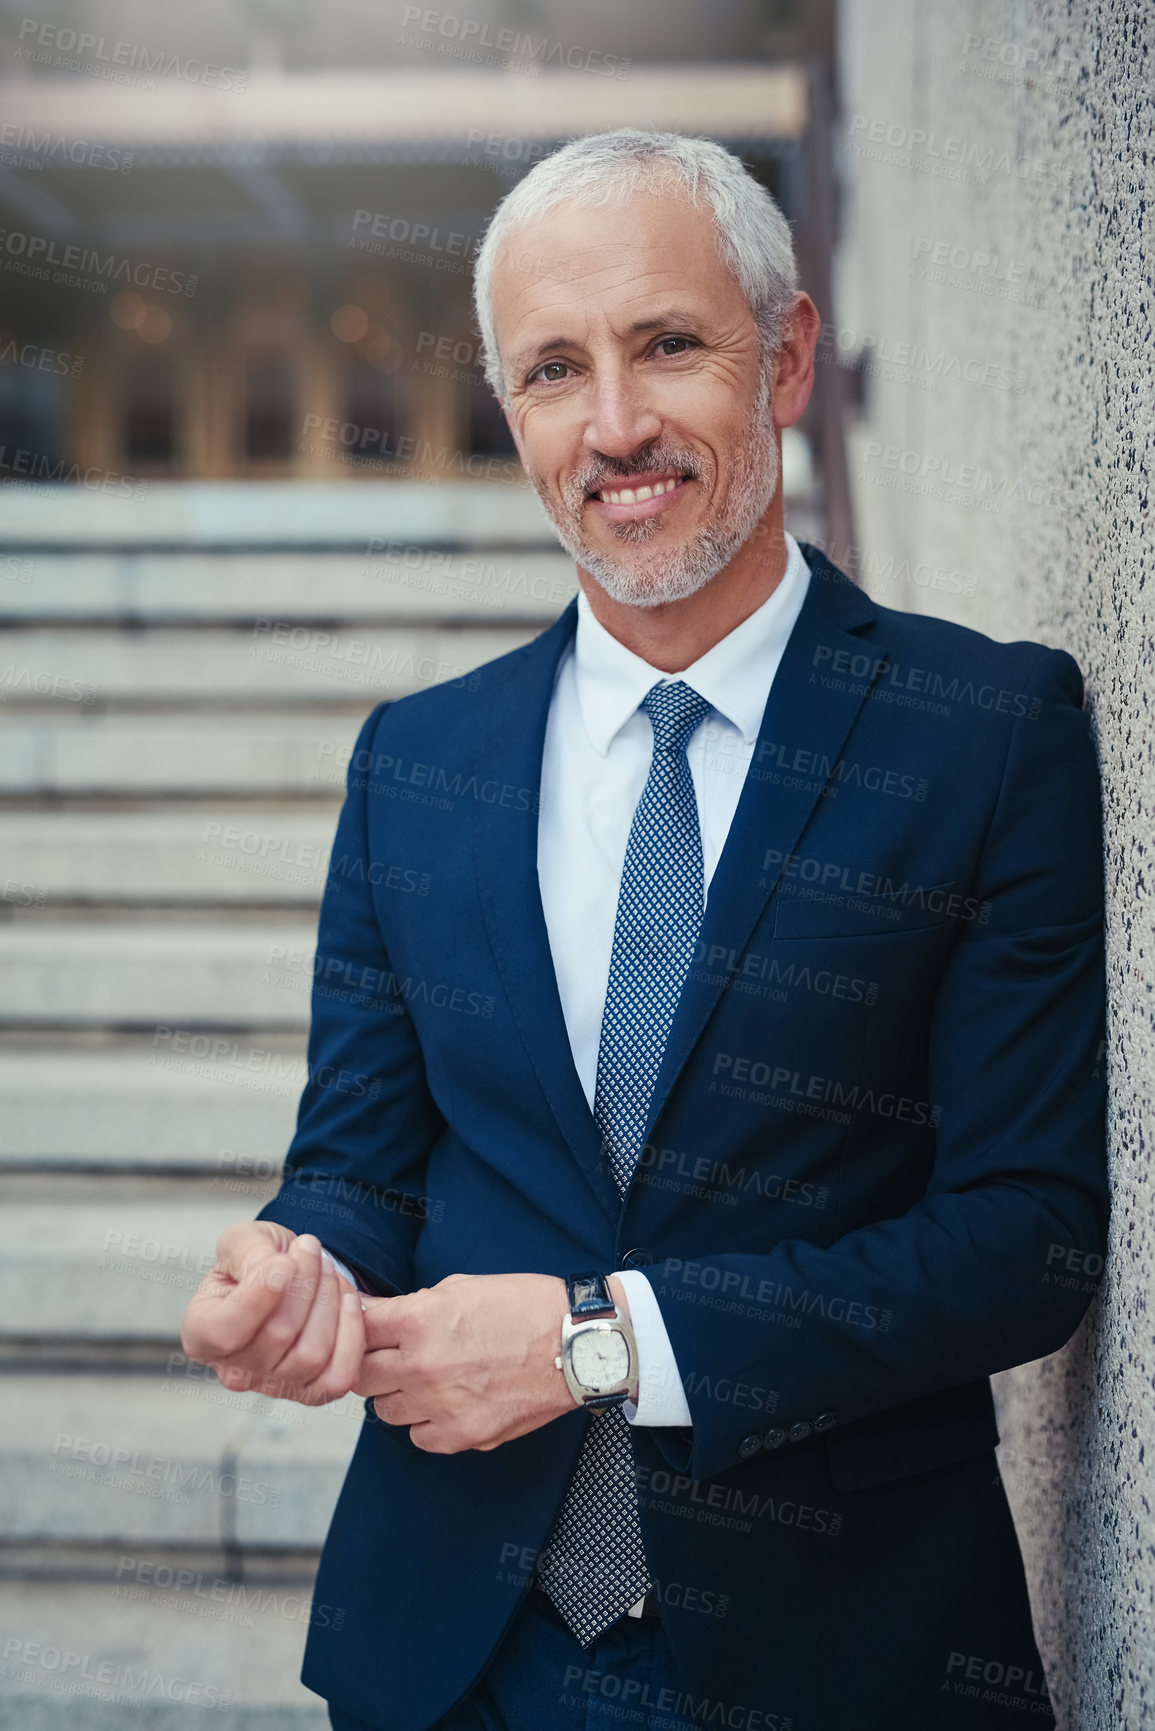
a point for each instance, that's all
(996, 157)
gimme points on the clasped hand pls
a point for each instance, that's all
(466, 1364)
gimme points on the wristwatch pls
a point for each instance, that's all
(599, 1355)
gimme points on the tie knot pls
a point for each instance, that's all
(674, 711)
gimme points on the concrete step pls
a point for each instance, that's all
(269, 661)
(98, 1259)
(267, 514)
(102, 1656)
(202, 853)
(161, 1461)
(85, 752)
(247, 973)
(81, 1656)
(389, 580)
(203, 1102)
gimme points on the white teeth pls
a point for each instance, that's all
(633, 496)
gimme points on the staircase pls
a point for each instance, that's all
(181, 679)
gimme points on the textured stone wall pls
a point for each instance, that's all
(996, 159)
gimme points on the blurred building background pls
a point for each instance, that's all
(251, 481)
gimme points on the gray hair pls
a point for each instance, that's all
(754, 236)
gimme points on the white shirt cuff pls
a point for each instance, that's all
(339, 1268)
(661, 1397)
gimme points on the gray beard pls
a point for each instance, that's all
(673, 573)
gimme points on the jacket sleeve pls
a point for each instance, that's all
(977, 1276)
(354, 1173)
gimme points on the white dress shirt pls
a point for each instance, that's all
(598, 746)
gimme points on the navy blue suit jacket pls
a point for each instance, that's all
(875, 1169)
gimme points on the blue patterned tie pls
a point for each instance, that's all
(594, 1566)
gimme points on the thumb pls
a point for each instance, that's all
(243, 1247)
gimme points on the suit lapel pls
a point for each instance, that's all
(768, 824)
(770, 819)
(505, 859)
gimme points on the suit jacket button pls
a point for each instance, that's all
(637, 1259)
(774, 1438)
(800, 1431)
(824, 1420)
(748, 1447)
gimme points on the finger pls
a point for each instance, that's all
(384, 1319)
(310, 1352)
(348, 1350)
(224, 1319)
(395, 1410)
(431, 1440)
(380, 1372)
(296, 1288)
(248, 1242)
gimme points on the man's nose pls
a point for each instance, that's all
(621, 418)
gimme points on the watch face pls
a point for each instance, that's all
(600, 1358)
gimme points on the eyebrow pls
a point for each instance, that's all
(671, 318)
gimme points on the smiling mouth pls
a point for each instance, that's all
(636, 495)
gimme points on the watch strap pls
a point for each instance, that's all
(589, 1295)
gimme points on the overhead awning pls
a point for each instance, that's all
(377, 115)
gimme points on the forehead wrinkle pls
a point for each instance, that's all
(618, 319)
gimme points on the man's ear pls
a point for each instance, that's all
(794, 362)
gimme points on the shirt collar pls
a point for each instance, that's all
(734, 676)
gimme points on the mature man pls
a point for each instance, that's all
(727, 1111)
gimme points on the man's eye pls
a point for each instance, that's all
(551, 372)
(665, 348)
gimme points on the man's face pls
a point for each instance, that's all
(636, 392)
